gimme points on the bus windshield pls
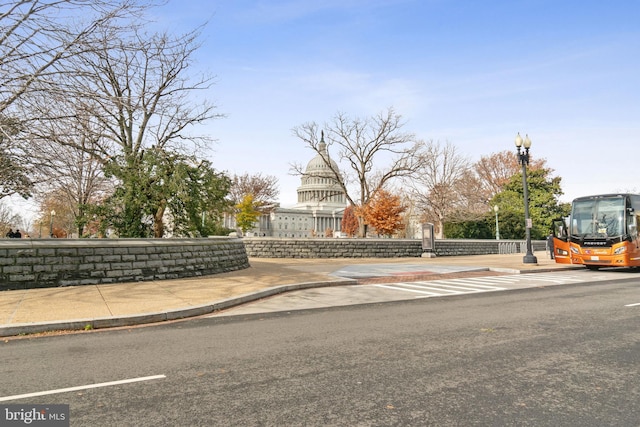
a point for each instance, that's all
(598, 218)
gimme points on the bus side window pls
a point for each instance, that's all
(632, 227)
(560, 229)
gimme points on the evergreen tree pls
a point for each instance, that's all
(544, 207)
(200, 200)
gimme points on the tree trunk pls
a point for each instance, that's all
(362, 227)
(158, 225)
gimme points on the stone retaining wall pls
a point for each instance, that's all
(259, 247)
(40, 263)
(265, 247)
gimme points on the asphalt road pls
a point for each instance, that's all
(555, 356)
(374, 293)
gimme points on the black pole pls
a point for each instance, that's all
(529, 258)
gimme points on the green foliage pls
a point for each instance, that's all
(247, 214)
(128, 210)
(199, 200)
(544, 192)
(158, 181)
(472, 229)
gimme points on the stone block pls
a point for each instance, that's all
(72, 252)
(40, 268)
(22, 277)
(16, 269)
(86, 251)
(103, 251)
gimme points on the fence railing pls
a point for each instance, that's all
(512, 247)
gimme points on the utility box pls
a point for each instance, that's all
(428, 241)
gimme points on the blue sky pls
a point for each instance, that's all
(473, 73)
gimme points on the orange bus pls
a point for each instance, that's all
(602, 231)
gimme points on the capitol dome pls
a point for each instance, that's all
(318, 165)
(319, 185)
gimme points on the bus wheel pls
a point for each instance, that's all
(593, 267)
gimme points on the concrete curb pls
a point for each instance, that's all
(158, 317)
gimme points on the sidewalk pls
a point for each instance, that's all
(126, 304)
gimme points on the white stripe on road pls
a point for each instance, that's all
(82, 387)
(438, 287)
(632, 305)
(445, 288)
(476, 284)
(398, 288)
(491, 280)
(463, 282)
(551, 278)
(494, 279)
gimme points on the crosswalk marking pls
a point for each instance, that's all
(467, 286)
(476, 284)
(400, 288)
(466, 282)
(434, 288)
(397, 291)
(554, 278)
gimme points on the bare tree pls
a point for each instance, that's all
(76, 177)
(40, 35)
(128, 96)
(37, 41)
(436, 185)
(55, 218)
(15, 171)
(375, 151)
(263, 188)
(495, 170)
(9, 220)
(473, 201)
(138, 94)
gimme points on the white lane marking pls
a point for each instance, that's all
(492, 280)
(632, 305)
(424, 285)
(463, 282)
(397, 288)
(82, 387)
(552, 279)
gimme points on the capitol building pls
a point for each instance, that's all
(320, 207)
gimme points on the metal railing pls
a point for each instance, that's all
(512, 247)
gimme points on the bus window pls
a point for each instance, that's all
(560, 229)
(598, 218)
(632, 224)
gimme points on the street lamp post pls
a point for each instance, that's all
(523, 159)
(53, 213)
(495, 208)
